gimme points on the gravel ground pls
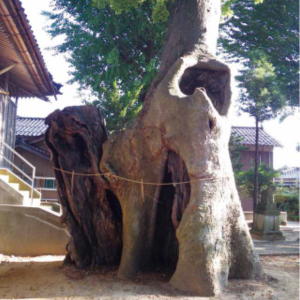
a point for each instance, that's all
(44, 277)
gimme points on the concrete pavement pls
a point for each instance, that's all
(289, 246)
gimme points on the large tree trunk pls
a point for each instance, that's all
(195, 229)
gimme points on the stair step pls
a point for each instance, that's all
(33, 202)
(25, 194)
(4, 178)
(13, 180)
(23, 186)
(14, 186)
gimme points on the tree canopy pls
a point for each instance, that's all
(113, 54)
(266, 33)
(264, 38)
(261, 96)
(114, 46)
(159, 8)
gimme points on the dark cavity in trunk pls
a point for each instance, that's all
(171, 204)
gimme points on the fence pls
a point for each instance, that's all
(22, 168)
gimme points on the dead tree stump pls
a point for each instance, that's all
(90, 211)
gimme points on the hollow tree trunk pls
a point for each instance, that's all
(195, 227)
(90, 211)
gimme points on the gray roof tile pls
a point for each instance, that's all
(30, 126)
(248, 136)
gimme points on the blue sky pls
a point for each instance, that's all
(286, 132)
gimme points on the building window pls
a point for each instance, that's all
(49, 184)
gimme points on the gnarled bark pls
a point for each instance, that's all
(90, 211)
(195, 228)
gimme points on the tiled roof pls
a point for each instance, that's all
(37, 126)
(30, 126)
(248, 136)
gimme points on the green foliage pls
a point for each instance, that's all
(268, 30)
(288, 201)
(265, 179)
(226, 9)
(160, 11)
(119, 108)
(260, 96)
(114, 48)
(117, 5)
(114, 55)
(264, 36)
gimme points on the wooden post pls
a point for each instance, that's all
(8, 112)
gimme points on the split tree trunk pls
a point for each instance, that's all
(195, 228)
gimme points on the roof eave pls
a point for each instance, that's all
(32, 150)
(16, 21)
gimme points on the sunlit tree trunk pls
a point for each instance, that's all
(194, 229)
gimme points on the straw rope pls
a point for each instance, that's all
(108, 174)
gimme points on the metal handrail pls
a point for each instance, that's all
(32, 177)
(19, 155)
(16, 167)
(45, 178)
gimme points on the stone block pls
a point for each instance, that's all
(266, 227)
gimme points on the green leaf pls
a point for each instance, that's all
(113, 57)
(160, 12)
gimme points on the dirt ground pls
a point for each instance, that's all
(44, 277)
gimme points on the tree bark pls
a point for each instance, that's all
(193, 29)
(90, 211)
(256, 165)
(194, 227)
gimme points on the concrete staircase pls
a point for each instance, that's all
(15, 190)
(27, 228)
(31, 231)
